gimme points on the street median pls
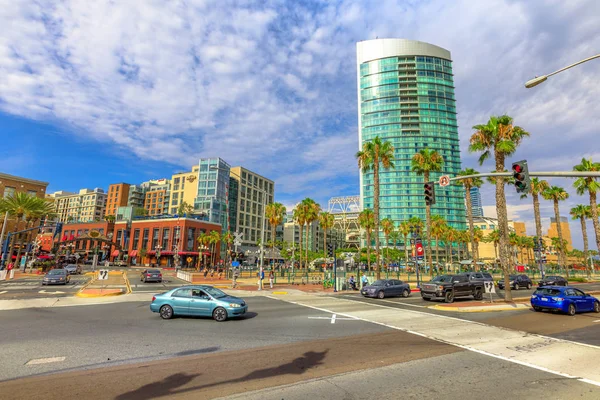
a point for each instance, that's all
(112, 285)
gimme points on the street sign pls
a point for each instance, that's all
(235, 263)
(77, 256)
(103, 275)
(444, 180)
(237, 243)
(238, 235)
(419, 248)
(489, 287)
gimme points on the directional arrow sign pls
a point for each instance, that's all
(57, 292)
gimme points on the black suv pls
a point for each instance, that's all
(553, 280)
(517, 282)
(447, 287)
(479, 276)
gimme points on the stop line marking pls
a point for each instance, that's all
(334, 317)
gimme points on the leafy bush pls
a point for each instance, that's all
(578, 279)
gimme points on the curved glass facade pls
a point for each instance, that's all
(409, 101)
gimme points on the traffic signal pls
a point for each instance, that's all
(329, 250)
(429, 193)
(521, 176)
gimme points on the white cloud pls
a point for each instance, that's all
(272, 85)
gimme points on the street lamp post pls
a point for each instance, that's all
(264, 206)
(158, 248)
(540, 79)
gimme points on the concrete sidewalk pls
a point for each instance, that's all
(112, 286)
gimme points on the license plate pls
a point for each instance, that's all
(544, 299)
(155, 276)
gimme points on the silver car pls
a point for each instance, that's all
(56, 277)
(73, 269)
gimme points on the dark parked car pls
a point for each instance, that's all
(479, 276)
(56, 277)
(151, 275)
(386, 288)
(448, 287)
(566, 299)
(73, 269)
(553, 280)
(517, 282)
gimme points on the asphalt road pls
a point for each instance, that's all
(29, 288)
(280, 351)
(582, 328)
(102, 335)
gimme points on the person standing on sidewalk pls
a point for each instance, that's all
(261, 277)
(271, 278)
(364, 280)
(236, 275)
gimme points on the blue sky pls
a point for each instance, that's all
(93, 93)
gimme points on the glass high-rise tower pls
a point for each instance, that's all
(406, 96)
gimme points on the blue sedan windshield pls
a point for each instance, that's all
(547, 292)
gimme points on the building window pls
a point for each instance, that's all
(32, 193)
(190, 239)
(165, 239)
(155, 233)
(176, 233)
(145, 238)
(136, 238)
(9, 191)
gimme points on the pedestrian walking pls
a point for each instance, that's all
(205, 272)
(364, 280)
(261, 277)
(212, 273)
(271, 278)
(236, 274)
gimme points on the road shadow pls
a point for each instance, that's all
(169, 385)
(198, 351)
(158, 389)
(248, 315)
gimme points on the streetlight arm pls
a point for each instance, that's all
(539, 79)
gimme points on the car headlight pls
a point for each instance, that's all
(234, 305)
(61, 278)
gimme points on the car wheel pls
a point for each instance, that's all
(449, 296)
(529, 286)
(381, 294)
(478, 295)
(515, 287)
(597, 307)
(571, 311)
(405, 293)
(220, 314)
(166, 312)
(536, 308)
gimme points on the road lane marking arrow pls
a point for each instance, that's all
(57, 292)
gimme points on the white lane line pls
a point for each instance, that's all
(483, 352)
(4, 291)
(37, 361)
(404, 304)
(598, 320)
(333, 319)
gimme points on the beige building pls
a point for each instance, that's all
(86, 206)
(156, 197)
(566, 231)
(488, 253)
(184, 187)
(246, 215)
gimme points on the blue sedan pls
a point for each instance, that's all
(201, 300)
(563, 298)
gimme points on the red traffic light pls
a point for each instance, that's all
(517, 168)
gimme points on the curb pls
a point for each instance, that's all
(475, 309)
(89, 295)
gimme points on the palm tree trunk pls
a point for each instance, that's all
(471, 227)
(585, 246)
(306, 247)
(325, 243)
(451, 258)
(300, 245)
(437, 252)
(594, 209)
(376, 212)
(560, 237)
(495, 252)
(428, 227)
(536, 214)
(406, 251)
(387, 250)
(502, 224)
(368, 251)
(273, 247)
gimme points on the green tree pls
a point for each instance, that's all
(537, 188)
(494, 237)
(214, 238)
(185, 208)
(438, 227)
(394, 237)
(311, 210)
(17, 206)
(227, 238)
(326, 221)
(374, 155)
(387, 225)
(110, 218)
(404, 230)
(556, 194)
(591, 186)
(476, 237)
(275, 213)
(366, 220)
(203, 240)
(423, 163)
(140, 212)
(499, 138)
(300, 219)
(582, 212)
(469, 183)
(450, 235)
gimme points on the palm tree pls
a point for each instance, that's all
(469, 183)
(110, 218)
(404, 230)
(373, 154)
(450, 235)
(582, 213)
(423, 163)
(556, 194)
(326, 221)
(366, 220)
(275, 212)
(311, 210)
(214, 238)
(387, 226)
(227, 238)
(494, 237)
(300, 218)
(394, 236)
(591, 186)
(537, 188)
(204, 240)
(438, 227)
(476, 237)
(500, 138)
(17, 205)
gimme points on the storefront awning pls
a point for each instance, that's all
(188, 253)
(115, 253)
(133, 253)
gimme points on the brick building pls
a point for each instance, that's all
(118, 196)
